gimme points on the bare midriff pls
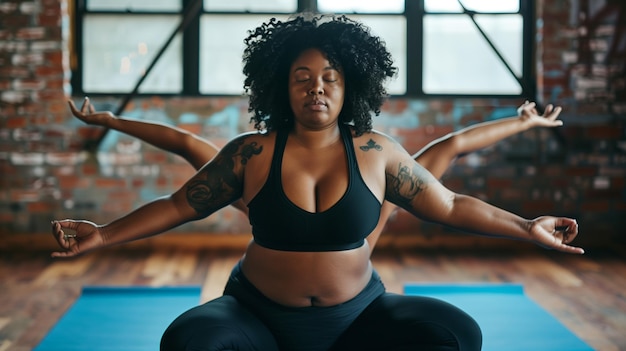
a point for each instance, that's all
(301, 279)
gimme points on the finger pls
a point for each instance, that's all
(68, 224)
(553, 113)
(548, 109)
(85, 107)
(58, 234)
(570, 249)
(92, 109)
(73, 107)
(569, 224)
(570, 233)
(61, 254)
(566, 230)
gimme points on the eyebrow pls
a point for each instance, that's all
(305, 68)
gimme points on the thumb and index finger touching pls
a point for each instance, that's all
(68, 242)
(565, 231)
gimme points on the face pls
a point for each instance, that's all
(316, 90)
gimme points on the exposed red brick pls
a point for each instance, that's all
(122, 195)
(28, 84)
(40, 207)
(54, 58)
(31, 33)
(604, 132)
(52, 70)
(499, 183)
(195, 128)
(117, 207)
(454, 184)
(57, 107)
(25, 195)
(161, 182)
(7, 110)
(138, 183)
(73, 182)
(88, 132)
(155, 157)
(48, 20)
(51, 95)
(582, 171)
(5, 84)
(15, 21)
(89, 169)
(5, 34)
(16, 122)
(110, 183)
(14, 72)
(538, 207)
(602, 194)
(594, 206)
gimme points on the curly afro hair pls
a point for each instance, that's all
(272, 47)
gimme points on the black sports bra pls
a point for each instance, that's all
(277, 223)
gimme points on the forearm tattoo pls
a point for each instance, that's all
(217, 184)
(403, 186)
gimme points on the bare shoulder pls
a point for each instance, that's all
(254, 136)
(248, 144)
(377, 141)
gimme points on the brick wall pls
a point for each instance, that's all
(578, 171)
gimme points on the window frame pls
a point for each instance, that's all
(414, 13)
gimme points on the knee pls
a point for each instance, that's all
(217, 326)
(200, 336)
(469, 334)
(194, 331)
(462, 326)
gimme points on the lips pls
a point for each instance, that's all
(316, 102)
(316, 105)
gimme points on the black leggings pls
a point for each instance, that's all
(244, 319)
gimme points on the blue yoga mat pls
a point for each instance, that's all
(119, 318)
(508, 318)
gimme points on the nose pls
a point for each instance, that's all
(316, 88)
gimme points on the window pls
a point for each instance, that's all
(474, 47)
(441, 47)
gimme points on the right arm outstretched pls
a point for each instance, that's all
(194, 149)
(217, 184)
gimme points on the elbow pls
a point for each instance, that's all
(454, 146)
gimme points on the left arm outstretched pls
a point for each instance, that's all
(410, 186)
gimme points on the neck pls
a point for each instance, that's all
(318, 138)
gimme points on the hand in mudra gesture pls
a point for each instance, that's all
(76, 237)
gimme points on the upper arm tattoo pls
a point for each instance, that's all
(371, 144)
(405, 184)
(217, 184)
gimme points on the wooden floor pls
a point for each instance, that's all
(586, 293)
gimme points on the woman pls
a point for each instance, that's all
(314, 182)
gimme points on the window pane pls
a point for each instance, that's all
(361, 6)
(252, 5)
(474, 5)
(392, 29)
(123, 5)
(116, 54)
(458, 60)
(221, 50)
